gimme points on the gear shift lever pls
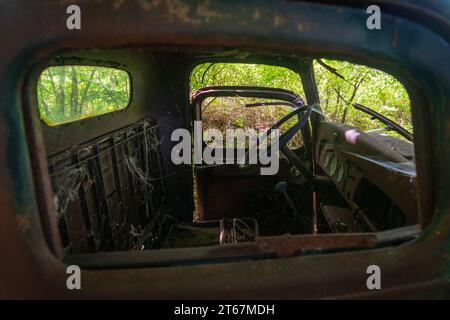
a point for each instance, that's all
(281, 187)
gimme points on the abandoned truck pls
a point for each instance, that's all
(113, 158)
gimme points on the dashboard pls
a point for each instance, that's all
(369, 173)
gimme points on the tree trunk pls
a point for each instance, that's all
(61, 95)
(85, 92)
(74, 93)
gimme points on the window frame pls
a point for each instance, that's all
(428, 274)
(91, 116)
(73, 62)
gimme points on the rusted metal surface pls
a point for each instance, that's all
(413, 45)
(107, 190)
(400, 185)
(289, 245)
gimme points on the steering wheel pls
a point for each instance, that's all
(285, 137)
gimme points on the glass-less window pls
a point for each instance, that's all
(70, 93)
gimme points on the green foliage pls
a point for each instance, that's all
(230, 112)
(239, 74)
(71, 93)
(370, 87)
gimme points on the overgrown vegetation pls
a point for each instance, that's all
(373, 88)
(70, 93)
(340, 84)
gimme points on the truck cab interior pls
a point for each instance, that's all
(116, 156)
(113, 185)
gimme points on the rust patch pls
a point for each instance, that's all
(278, 20)
(174, 9)
(289, 245)
(256, 15)
(204, 11)
(23, 223)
